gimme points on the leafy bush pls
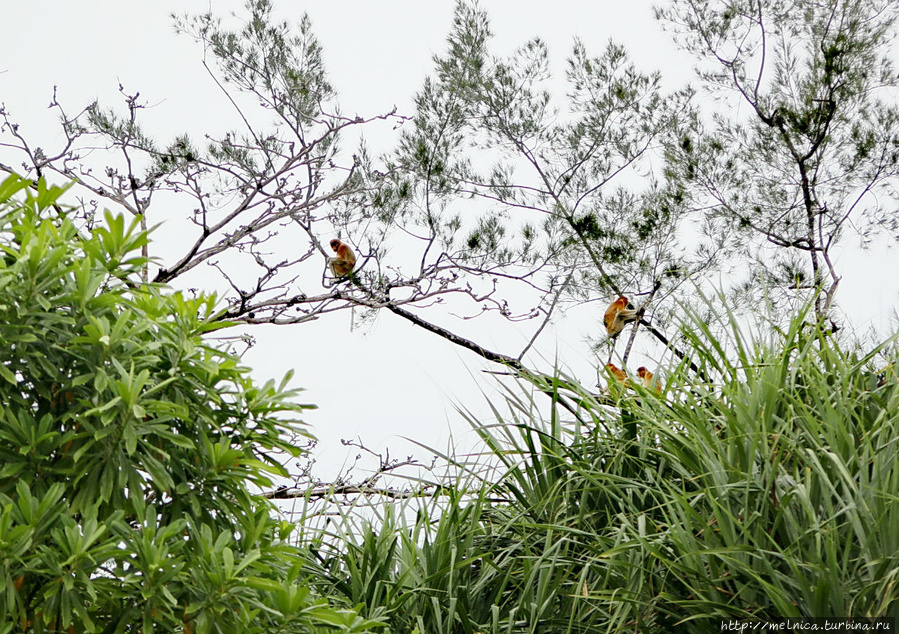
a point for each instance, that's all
(128, 447)
(769, 490)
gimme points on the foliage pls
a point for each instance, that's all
(511, 188)
(759, 484)
(768, 491)
(130, 448)
(560, 166)
(806, 162)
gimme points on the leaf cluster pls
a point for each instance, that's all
(130, 447)
(767, 491)
(805, 150)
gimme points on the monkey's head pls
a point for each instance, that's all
(622, 302)
(641, 371)
(335, 244)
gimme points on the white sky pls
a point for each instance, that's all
(399, 380)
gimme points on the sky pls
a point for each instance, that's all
(389, 382)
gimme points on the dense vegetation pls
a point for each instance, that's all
(138, 459)
(768, 491)
(128, 448)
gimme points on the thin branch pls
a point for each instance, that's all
(680, 355)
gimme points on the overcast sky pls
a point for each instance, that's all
(399, 380)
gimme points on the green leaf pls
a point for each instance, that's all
(9, 376)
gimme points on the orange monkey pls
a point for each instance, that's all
(646, 377)
(617, 315)
(345, 260)
(617, 372)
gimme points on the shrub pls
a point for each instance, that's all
(768, 490)
(128, 447)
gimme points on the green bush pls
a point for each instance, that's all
(128, 447)
(769, 490)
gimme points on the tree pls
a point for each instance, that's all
(815, 156)
(131, 448)
(258, 193)
(504, 195)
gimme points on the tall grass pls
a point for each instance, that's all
(772, 489)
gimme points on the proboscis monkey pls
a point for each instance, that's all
(646, 377)
(617, 315)
(345, 260)
(617, 372)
